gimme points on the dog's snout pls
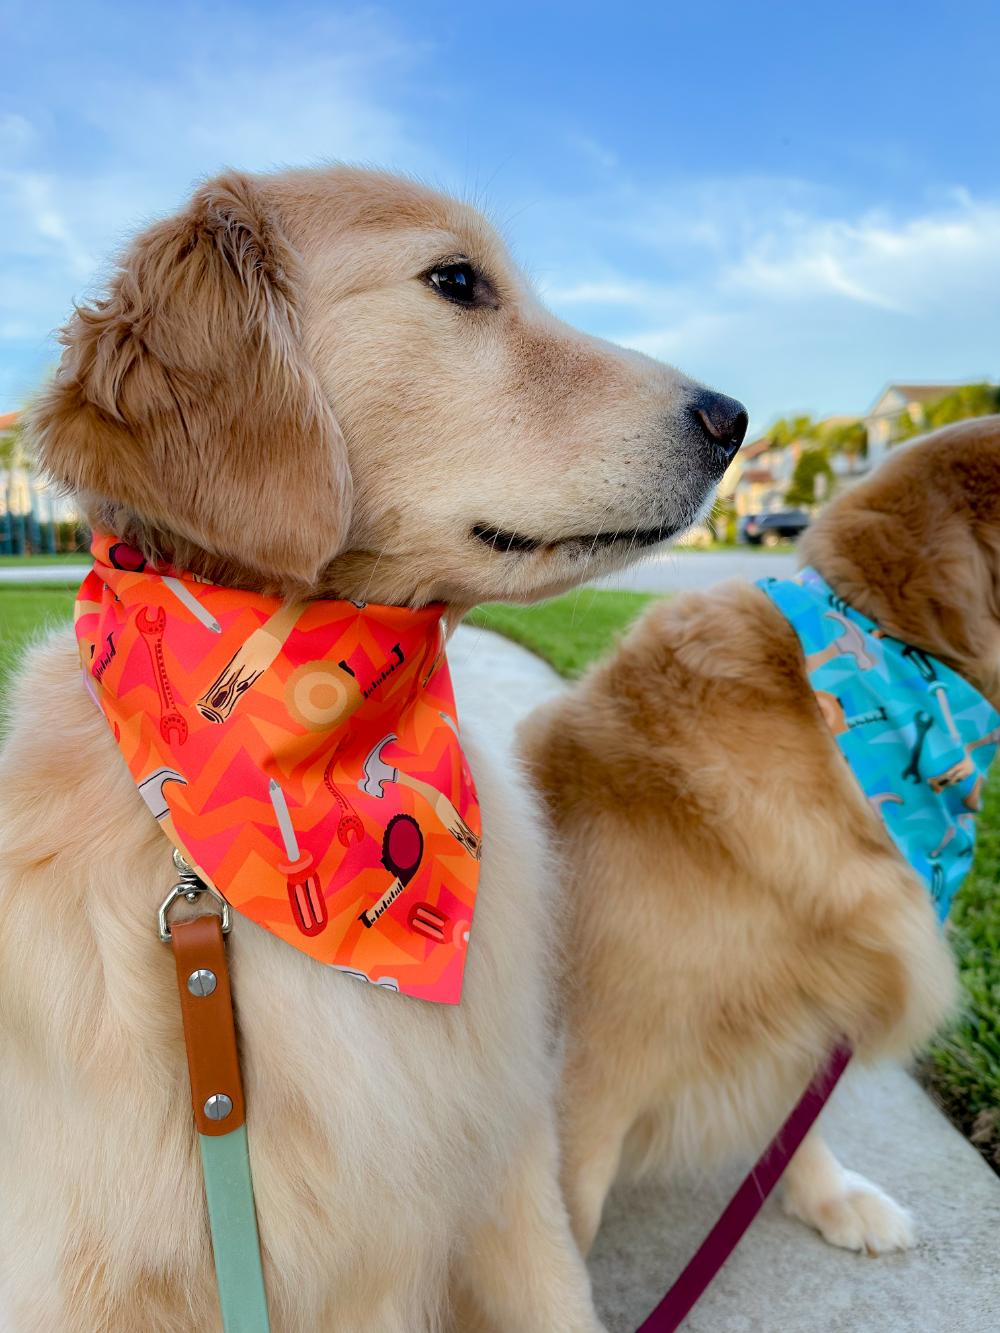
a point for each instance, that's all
(723, 419)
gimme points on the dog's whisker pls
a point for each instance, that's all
(371, 576)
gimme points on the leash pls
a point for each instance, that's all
(220, 1112)
(217, 1098)
(747, 1202)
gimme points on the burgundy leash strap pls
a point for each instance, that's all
(747, 1202)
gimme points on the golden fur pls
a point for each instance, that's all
(272, 395)
(734, 904)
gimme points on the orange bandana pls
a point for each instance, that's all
(304, 758)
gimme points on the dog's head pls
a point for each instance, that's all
(916, 547)
(335, 381)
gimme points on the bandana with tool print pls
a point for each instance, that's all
(918, 737)
(303, 757)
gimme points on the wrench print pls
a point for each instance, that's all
(150, 622)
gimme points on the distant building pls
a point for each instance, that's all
(882, 419)
(761, 475)
(764, 476)
(31, 510)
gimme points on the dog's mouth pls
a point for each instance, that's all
(516, 543)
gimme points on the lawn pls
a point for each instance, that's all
(26, 610)
(60, 558)
(962, 1068)
(569, 631)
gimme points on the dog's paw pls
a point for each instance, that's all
(858, 1217)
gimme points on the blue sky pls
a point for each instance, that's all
(793, 202)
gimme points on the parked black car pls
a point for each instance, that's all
(769, 529)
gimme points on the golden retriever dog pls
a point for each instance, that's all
(735, 906)
(323, 383)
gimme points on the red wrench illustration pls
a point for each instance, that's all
(150, 623)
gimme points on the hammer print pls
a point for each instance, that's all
(377, 772)
(850, 642)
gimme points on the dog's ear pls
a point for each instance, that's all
(184, 409)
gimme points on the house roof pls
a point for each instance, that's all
(839, 419)
(757, 475)
(921, 392)
(755, 448)
(912, 393)
(8, 419)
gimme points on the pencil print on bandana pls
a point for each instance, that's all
(305, 759)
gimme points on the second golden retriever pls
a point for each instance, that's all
(735, 905)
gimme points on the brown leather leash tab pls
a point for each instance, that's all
(209, 1026)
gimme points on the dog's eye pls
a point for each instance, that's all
(462, 284)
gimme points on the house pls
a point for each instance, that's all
(882, 419)
(765, 476)
(31, 510)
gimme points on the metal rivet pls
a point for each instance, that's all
(202, 982)
(218, 1106)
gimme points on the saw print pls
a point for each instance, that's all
(304, 758)
(918, 737)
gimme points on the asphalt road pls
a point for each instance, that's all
(681, 571)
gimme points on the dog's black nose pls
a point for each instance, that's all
(723, 419)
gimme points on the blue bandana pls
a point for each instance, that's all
(918, 737)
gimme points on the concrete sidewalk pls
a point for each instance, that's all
(674, 570)
(783, 1278)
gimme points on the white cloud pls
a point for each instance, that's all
(593, 151)
(766, 291)
(68, 198)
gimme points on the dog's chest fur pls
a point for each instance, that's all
(379, 1125)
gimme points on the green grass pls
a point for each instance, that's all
(62, 558)
(569, 632)
(25, 611)
(962, 1069)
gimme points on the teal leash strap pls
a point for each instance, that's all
(233, 1219)
(217, 1098)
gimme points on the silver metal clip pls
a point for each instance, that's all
(190, 887)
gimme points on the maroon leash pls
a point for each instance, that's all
(747, 1202)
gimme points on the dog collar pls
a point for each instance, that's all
(304, 758)
(917, 736)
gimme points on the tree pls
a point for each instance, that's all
(786, 430)
(968, 400)
(12, 450)
(805, 489)
(850, 438)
